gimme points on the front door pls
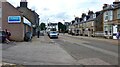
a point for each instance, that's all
(115, 31)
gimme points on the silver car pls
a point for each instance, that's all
(53, 34)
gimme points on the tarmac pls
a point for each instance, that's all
(40, 51)
(43, 51)
(113, 41)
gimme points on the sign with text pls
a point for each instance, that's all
(14, 19)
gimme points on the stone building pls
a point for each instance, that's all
(13, 21)
(111, 19)
(31, 15)
(88, 25)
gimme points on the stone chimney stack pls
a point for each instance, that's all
(23, 3)
(3, 0)
(116, 2)
(105, 5)
(90, 12)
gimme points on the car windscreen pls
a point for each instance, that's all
(53, 32)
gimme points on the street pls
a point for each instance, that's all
(82, 49)
(66, 50)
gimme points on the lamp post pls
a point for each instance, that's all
(64, 26)
(47, 22)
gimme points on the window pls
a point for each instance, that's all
(108, 15)
(118, 14)
(94, 15)
(85, 18)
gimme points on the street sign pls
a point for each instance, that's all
(14, 19)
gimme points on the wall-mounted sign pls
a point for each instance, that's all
(14, 19)
(26, 21)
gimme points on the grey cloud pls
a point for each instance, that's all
(46, 9)
(87, 4)
(61, 15)
(56, 16)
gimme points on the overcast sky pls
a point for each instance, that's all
(59, 10)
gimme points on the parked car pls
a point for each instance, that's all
(53, 34)
(2, 36)
(41, 33)
(28, 36)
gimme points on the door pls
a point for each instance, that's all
(115, 31)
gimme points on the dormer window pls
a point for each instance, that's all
(118, 14)
(108, 15)
(85, 18)
(94, 15)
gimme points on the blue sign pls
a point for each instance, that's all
(14, 19)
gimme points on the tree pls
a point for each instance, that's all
(61, 27)
(42, 26)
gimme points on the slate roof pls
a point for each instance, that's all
(112, 6)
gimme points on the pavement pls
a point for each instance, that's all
(40, 51)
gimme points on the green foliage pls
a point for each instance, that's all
(42, 26)
(61, 27)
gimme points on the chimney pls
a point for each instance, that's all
(105, 5)
(23, 3)
(83, 15)
(116, 2)
(3, 0)
(90, 12)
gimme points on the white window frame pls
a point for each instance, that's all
(85, 18)
(94, 15)
(108, 15)
(105, 16)
(118, 14)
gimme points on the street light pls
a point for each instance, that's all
(47, 22)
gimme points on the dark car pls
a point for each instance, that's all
(28, 36)
(2, 36)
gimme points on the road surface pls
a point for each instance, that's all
(66, 50)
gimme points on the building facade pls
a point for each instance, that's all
(111, 19)
(52, 27)
(31, 15)
(88, 25)
(14, 21)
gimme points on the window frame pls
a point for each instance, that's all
(108, 15)
(118, 14)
